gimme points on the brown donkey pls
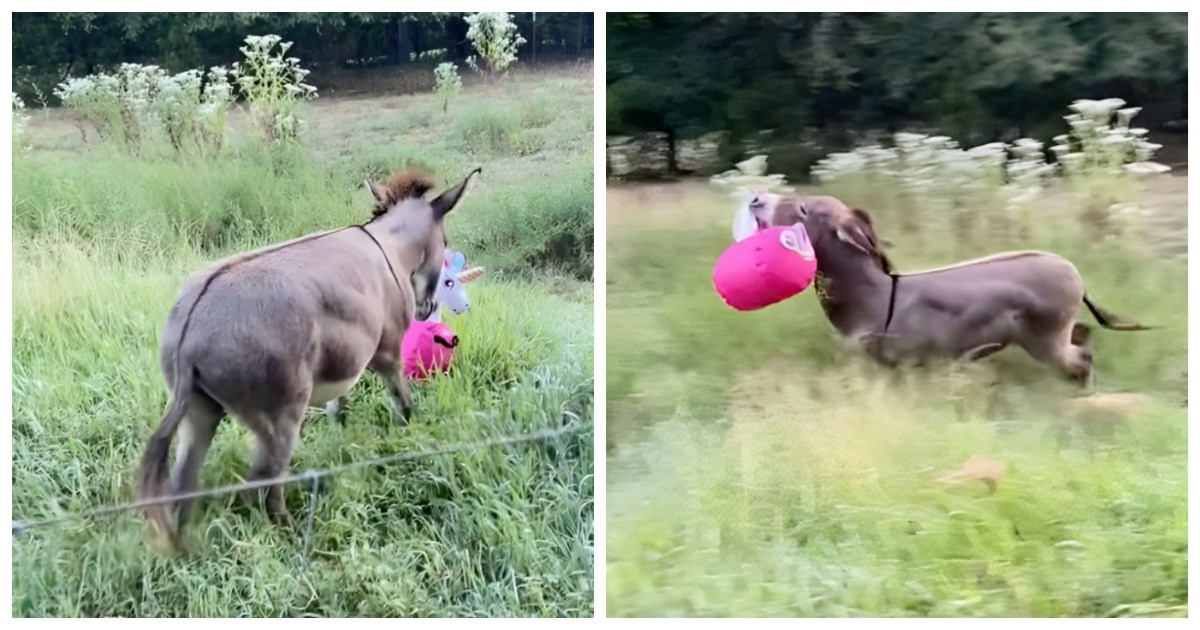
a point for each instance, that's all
(266, 334)
(964, 311)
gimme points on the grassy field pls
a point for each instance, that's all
(102, 243)
(753, 470)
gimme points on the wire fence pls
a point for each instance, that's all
(310, 477)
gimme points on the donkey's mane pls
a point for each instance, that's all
(404, 184)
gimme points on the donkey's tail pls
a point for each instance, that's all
(1111, 320)
(154, 464)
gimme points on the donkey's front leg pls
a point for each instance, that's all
(336, 410)
(401, 395)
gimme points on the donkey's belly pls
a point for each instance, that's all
(324, 392)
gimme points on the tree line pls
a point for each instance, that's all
(970, 75)
(49, 47)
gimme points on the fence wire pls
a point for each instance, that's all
(310, 477)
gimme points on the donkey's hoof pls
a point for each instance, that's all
(336, 412)
(168, 544)
(281, 518)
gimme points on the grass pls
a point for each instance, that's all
(102, 243)
(754, 470)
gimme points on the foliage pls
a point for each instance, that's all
(213, 108)
(101, 245)
(139, 103)
(975, 76)
(1102, 139)
(495, 38)
(176, 104)
(449, 84)
(19, 119)
(1099, 156)
(273, 86)
(49, 48)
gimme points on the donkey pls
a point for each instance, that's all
(964, 311)
(451, 293)
(266, 334)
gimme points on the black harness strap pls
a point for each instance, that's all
(389, 262)
(891, 302)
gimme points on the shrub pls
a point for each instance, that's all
(139, 103)
(176, 101)
(448, 83)
(934, 174)
(495, 38)
(210, 115)
(497, 131)
(19, 120)
(274, 87)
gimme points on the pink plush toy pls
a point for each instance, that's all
(427, 349)
(766, 267)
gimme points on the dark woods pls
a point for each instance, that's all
(48, 47)
(975, 76)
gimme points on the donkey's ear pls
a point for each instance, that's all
(857, 231)
(450, 199)
(379, 192)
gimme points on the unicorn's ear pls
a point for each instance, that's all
(457, 261)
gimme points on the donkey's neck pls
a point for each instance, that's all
(855, 296)
(403, 252)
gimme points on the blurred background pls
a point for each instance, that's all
(700, 90)
(755, 469)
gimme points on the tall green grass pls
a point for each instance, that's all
(756, 470)
(101, 246)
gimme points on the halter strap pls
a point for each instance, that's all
(891, 302)
(389, 262)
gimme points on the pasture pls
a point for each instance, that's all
(756, 470)
(102, 242)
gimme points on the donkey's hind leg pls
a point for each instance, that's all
(1081, 348)
(1070, 350)
(274, 453)
(195, 436)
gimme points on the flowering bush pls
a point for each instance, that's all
(433, 54)
(274, 87)
(448, 83)
(1101, 140)
(94, 99)
(209, 122)
(175, 102)
(937, 171)
(495, 38)
(19, 119)
(139, 102)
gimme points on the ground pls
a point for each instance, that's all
(754, 470)
(102, 243)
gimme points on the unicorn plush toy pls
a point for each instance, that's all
(428, 346)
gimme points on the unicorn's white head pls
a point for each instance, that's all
(451, 290)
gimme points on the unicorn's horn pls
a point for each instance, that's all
(470, 274)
